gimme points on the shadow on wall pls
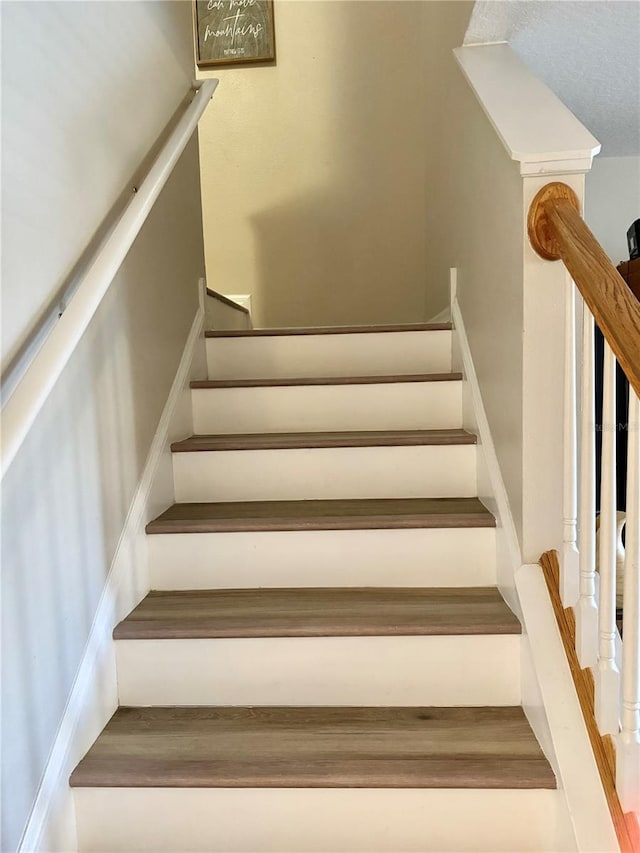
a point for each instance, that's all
(332, 182)
(297, 244)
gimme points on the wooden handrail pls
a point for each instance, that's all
(557, 230)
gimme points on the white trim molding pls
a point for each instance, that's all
(93, 698)
(532, 123)
(575, 764)
(488, 464)
(548, 693)
(243, 300)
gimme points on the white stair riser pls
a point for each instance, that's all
(440, 670)
(340, 472)
(319, 408)
(321, 820)
(371, 354)
(317, 558)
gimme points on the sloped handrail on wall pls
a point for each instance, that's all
(557, 231)
(40, 368)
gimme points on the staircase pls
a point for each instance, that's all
(324, 662)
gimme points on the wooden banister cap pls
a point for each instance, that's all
(540, 233)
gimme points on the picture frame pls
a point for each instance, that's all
(233, 32)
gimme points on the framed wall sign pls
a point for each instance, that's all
(230, 32)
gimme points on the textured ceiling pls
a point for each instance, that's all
(587, 52)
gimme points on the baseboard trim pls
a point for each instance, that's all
(93, 696)
(487, 448)
(442, 316)
(603, 747)
(230, 301)
(516, 585)
(575, 764)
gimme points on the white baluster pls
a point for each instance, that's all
(628, 751)
(607, 680)
(570, 573)
(587, 607)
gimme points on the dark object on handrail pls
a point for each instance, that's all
(633, 240)
(630, 272)
(621, 429)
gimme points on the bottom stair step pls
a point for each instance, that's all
(318, 747)
(318, 780)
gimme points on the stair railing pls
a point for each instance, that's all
(557, 231)
(31, 376)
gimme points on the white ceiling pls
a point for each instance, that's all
(586, 51)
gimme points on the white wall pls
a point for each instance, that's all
(443, 26)
(476, 227)
(87, 87)
(102, 80)
(316, 173)
(612, 202)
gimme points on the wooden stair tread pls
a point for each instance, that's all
(328, 330)
(288, 747)
(318, 612)
(359, 514)
(293, 440)
(326, 380)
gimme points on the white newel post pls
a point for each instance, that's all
(570, 570)
(587, 607)
(628, 751)
(607, 675)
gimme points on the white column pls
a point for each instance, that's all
(587, 607)
(607, 675)
(570, 570)
(628, 751)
